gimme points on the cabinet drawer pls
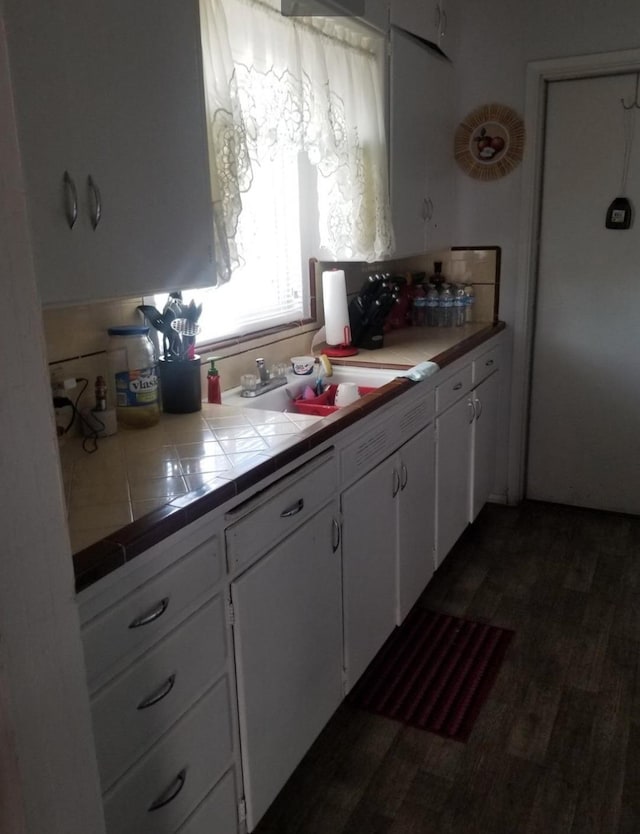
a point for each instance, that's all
(134, 710)
(279, 510)
(218, 812)
(140, 619)
(455, 387)
(159, 793)
(486, 364)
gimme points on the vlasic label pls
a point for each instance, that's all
(137, 387)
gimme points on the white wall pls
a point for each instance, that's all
(497, 40)
(48, 772)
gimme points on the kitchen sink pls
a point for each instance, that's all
(281, 398)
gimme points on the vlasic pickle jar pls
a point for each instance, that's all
(134, 376)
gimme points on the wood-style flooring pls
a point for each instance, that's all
(556, 749)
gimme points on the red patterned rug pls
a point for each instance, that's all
(434, 672)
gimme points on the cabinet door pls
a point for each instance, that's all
(416, 519)
(288, 650)
(369, 509)
(130, 130)
(485, 401)
(425, 19)
(422, 164)
(453, 462)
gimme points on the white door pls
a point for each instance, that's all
(288, 652)
(485, 401)
(416, 533)
(453, 464)
(584, 438)
(369, 508)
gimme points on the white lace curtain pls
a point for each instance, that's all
(277, 82)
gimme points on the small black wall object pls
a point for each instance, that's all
(619, 214)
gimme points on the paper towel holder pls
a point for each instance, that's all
(336, 315)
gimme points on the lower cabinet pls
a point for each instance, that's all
(288, 652)
(387, 545)
(466, 448)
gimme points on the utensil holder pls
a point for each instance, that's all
(180, 385)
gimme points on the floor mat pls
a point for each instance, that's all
(434, 672)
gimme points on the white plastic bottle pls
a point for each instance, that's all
(446, 306)
(459, 306)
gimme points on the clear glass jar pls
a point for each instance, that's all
(134, 376)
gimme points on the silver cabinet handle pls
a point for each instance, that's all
(472, 411)
(160, 693)
(151, 615)
(170, 793)
(336, 535)
(478, 407)
(404, 476)
(488, 363)
(71, 205)
(294, 509)
(96, 212)
(396, 483)
(437, 18)
(457, 386)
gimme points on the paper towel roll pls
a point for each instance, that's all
(336, 313)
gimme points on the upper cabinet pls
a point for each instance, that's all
(430, 20)
(422, 169)
(112, 131)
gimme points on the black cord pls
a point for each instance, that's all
(92, 436)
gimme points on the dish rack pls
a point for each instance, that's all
(323, 404)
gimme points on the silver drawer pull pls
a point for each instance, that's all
(404, 476)
(294, 509)
(160, 693)
(71, 206)
(150, 616)
(336, 535)
(96, 214)
(457, 386)
(488, 363)
(170, 793)
(472, 411)
(396, 483)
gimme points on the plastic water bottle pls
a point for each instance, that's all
(445, 309)
(470, 298)
(432, 302)
(419, 307)
(459, 306)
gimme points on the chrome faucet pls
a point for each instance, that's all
(263, 373)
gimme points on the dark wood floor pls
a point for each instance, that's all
(556, 747)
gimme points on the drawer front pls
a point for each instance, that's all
(486, 364)
(280, 510)
(376, 443)
(139, 620)
(455, 387)
(159, 793)
(218, 812)
(134, 710)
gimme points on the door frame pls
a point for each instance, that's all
(538, 75)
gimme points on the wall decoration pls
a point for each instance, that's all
(489, 143)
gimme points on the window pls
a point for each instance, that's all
(297, 155)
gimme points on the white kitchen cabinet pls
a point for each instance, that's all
(422, 165)
(156, 645)
(485, 427)
(288, 652)
(466, 436)
(109, 96)
(387, 543)
(453, 462)
(428, 19)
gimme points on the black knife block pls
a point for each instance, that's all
(180, 385)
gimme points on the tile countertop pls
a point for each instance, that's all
(141, 485)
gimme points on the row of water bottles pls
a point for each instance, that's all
(446, 305)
